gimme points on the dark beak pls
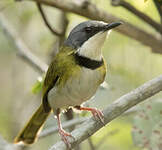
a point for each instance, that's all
(112, 25)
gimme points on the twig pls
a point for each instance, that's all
(63, 23)
(88, 9)
(139, 14)
(90, 126)
(22, 50)
(46, 21)
(158, 5)
(66, 124)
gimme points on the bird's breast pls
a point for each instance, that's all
(78, 88)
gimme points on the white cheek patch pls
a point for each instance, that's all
(92, 47)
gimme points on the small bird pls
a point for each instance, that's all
(73, 77)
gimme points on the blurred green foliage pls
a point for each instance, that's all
(129, 65)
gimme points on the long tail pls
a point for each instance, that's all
(29, 133)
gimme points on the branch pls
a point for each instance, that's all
(46, 21)
(158, 5)
(88, 9)
(90, 126)
(139, 14)
(22, 50)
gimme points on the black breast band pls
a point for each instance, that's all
(87, 62)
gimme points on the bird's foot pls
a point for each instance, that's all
(64, 136)
(97, 114)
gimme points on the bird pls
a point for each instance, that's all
(72, 78)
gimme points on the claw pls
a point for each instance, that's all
(64, 136)
(98, 115)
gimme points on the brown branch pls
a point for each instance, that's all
(53, 31)
(139, 14)
(158, 5)
(117, 108)
(88, 9)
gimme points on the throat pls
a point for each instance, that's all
(92, 47)
(94, 54)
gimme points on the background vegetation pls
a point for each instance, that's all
(130, 64)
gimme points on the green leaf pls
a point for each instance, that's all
(37, 87)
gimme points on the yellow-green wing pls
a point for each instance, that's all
(49, 82)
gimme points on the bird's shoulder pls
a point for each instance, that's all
(59, 65)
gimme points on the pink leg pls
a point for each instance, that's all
(95, 112)
(62, 132)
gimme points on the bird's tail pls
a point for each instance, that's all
(29, 133)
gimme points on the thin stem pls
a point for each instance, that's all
(46, 21)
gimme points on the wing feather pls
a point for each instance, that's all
(49, 82)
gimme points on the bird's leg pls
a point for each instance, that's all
(62, 132)
(95, 112)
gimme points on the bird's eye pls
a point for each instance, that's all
(88, 29)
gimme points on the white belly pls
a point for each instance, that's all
(77, 90)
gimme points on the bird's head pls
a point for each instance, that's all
(88, 37)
